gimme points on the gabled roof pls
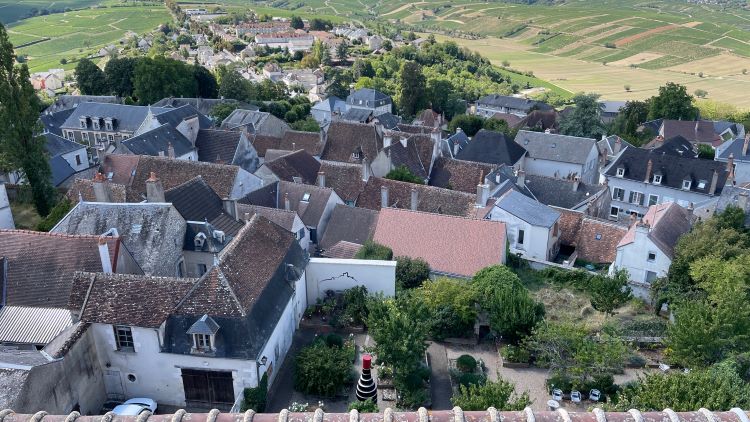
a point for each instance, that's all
(342, 250)
(388, 120)
(289, 142)
(527, 209)
(61, 169)
(552, 147)
(57, 145)
(416, 155)
(217, 146)
(351, 224)
(459, 175)
(540, 119)
(666, 223)
(448, 145)
(451, 245)
(344, 178)
(68, 102)
(607, 145)
(203, 105)
(735, 149)
(673, 169)
(156, 142)
(278, 216)
(52, 121)
(175, 116)
(83, 189)
(525, 104)
(119, 299)
(153, 233)
(298, 166)
(29, 325)
(196, 201)
(359, 115)
(677, 146)
(368, 94)
(693, 131)
(265, 196)
(205, 325)
(120, 168)
(594, 239)
(561, 193)
(429, 198)
(40, 266)
(309, 201)
(491, 147)
(259, 122)
(331, 104)
(347, 138)
(128, 118)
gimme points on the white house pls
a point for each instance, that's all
(532, 228)
(560, 156)
(6, 216)
(647, 249)
(489, 105)
(371, 100)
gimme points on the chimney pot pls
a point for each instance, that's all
(154, 189)
(170, 150)
(714, 182)
(321, 179)
(649, 169)
(384, 196)
(104, 256)
(746, 144)
(576, 182)
(521, 179)
(287, 204)
(102, 191)
(414, 199)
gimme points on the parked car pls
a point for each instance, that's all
(557, 394)
(135, 406)
(575, 396)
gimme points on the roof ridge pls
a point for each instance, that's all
(439, 215)
(190, 162)
(426, 187)
(135, 277)
(183, 184)
(55, 234)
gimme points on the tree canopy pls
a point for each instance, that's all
(672, 102)
(90, 79)
(585, 119)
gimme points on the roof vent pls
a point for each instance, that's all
(554, 145)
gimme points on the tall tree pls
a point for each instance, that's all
(342, 50)
(339, 86)
(19, 133)
(297, 23)
(585, 119)
(673, 102)
(630, 118)
(90, 79)
(207, 86)
(119, 73)
(609, 293)
(411, 88)
(159, 77)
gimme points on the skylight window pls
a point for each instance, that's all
(306, 197)
(702, 184)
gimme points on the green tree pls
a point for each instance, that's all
(234, 86)
(320, 53)
(342, 50)
(402, 173)
(499, 394)
(318, 24)
(447, 296)
(362, 68)
(297, 23)
(400, 336)
(308, 124)
(496, 125)
(206, 81)
(609, 293)
(411, 273)
(90, 79)
(119, 73)
(20, 142)
(585, 119)
(339, 86)
(322, 370)
(411, 88)
(672, 102)
(628, 121)
(468, 123)
(159, 77)
(372, 250)
(222, 111)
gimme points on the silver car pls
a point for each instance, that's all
(135, 407)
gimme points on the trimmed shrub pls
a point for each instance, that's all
(471, 379)
(367, 406)
(516, 354)
(466, 363)
(255, 398)
(334, 340)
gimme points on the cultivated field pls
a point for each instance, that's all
(11, 11)
(77, 33)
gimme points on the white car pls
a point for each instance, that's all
(135, 407)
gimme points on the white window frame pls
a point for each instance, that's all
(95, 123)
(686, 184)
(108, 125)
(521, 237)
(111, 137)
(614, 194)
(657, 179)
(656, 200)
(615, 215)
(85, 136)
(203, 343)
(620, 172)
(648, 256)
(124, 338)
(637, 197)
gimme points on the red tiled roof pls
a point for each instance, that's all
(121, 167)
(667, 222)
(451, 245)
(342, 250)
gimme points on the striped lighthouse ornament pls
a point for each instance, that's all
(366, 387)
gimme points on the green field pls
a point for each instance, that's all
(80, 32)
(11, 11)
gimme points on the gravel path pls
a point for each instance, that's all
(440, 383)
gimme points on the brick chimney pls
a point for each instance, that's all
(170, 150)
(414, 199)
(384, 196)
(321, 179)
(102, 193)
(104, 256)
(714, 182)
(576, 182)
(483, 194)
(617, 147)
(230, 207)
(649, 170)
(730, 170)
(154, 189)
(521, 179)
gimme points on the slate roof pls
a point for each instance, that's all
(19, 359)
(607, 145)
(491, 147)
(673, 169)
(359, 115)
(265, 196)
(525, 104)
(344, 178)
(40, 266)
(310, 211)
(459, 175)
(205, 325)
(69, 102)
(429, 198)
(157, 141)
(693, 131)
(217, 146)
(203, 105)
(119, 299)
(527, 209)
(559, 192)
(173, 173)
(331, 104)
(416, 155)
(246, 297)
(677, 146)
(346, 138)
(612, 106)
(128, 118)
(351, 224)
(254, 121)
(57, 145)
(278, 216)
(153, 233)
(388, 120)
(291, 142)
(552, 147)
(667, 223)
(61, 169)
(448, 144)
(175, 116)
(735, 149)
(29, 325)
(298, 166)
(53, 120)
(451, 245)
(196, 201)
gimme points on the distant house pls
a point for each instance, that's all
(701, 131)
(610, 110)
(492, 148)
(452, 246)
(255, 122)
(370, 99)
(639, 178)
(313, 204)
(351, 142)
(736, 153)
(298, 166)
(66, 157)
(285, 218)
(488, 105)
(647, 250)
(593, 200)
(533, 229)
(416, 152)
(385, 193)
(52, 79)
(560, 156)
(324, 111)
(227, 147)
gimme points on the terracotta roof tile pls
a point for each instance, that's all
(342, 250)
(84, 189)
(298, 166)
(667, 222)
(291, 141)
(173, 173)
(119, 168)
(595, 239)
(429, 198)
(344, 178)
(344, 139)
(451, 245)
(459, 175)
(217, 146)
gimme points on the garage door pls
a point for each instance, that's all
(208, 389)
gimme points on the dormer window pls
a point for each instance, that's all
(82, 122)
(306, 197)
(108, 124)
(620, 172)
(95, 123)
(203, 333)
(657, 179)
(686, 184)
(199, 241)
(702, 184)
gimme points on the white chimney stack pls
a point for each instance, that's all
(384, 196)
(414, 199)
(104, 256)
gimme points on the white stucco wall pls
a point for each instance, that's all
(633, 257)
(244, 183)
(663, 193)
(341, 274)
(537, 240)
(70, 157)
(6, 216)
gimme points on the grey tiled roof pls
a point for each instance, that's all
(175, 116)
(128, 118)
(355, 225)
(196, 201)
(496, 100)
(217, 146)
(157, 141)
(547, 146)
(203, 105)
(52, 121)
(298, 165)
(205, 325)
(527, 209)
(57, 145)
(61, 169)
(309, 211)
(735, 148)
(559, 192)
(368, 94)
(491, 147)
(29, 325)
(359, 115)
(278, 216)
(240, 117)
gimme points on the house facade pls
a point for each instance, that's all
(560, 156)
(488, 105)
(370, 99)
